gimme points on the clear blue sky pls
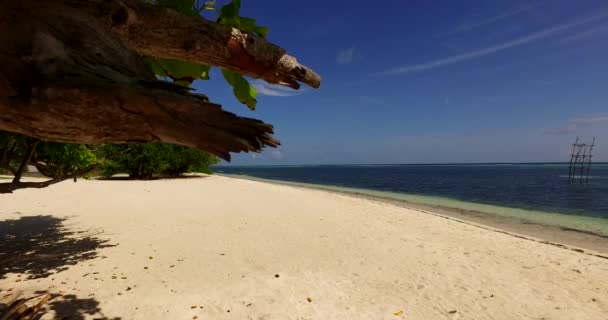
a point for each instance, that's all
(433, 81)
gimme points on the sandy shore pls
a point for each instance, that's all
(223, 248)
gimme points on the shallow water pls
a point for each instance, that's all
(535, 192)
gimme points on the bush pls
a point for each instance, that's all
(62, 159)
(145, 161)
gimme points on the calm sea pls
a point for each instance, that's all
(513, 189)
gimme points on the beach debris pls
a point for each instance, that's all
(398, 313)
(171, 266)
(113, 277)
(128, 289)
(577, 270)
(195, 317)
(146, 268)
(309, 299)
(452, 311)
(228, 310)
(276, 275)
(123, 278)
(17, 309)
(193, 307)
(150, 258)
(249, 304)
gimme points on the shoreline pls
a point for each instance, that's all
(565, 237)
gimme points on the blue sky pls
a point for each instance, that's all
(433, 81)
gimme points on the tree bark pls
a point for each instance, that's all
(66, 75)
(155, 31)
(114, 114)
(26, 160)
(9, 187)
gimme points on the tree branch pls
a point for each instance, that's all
(66, 75)
(9, 187)
(28, 156)
(115, 114)
(155, 31)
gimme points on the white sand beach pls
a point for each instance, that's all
(225, 248)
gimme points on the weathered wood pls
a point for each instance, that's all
(115, 114)
(67, 78)
(164, 33)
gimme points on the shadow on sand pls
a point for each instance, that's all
(61, 307)
(38, 246)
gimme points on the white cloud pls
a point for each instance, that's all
(480, 23)
(598, 31)
(275, 90)
(591, 120)
(489, 50)
(346, 56)
(578, 123)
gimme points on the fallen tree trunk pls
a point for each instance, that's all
(71, 71)
(155, 31)
(115, 114)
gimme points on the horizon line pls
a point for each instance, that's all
(400, 164)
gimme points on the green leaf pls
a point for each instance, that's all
(261, 31)
(179, 71)
(231, 10)
(242, 89)
(229, 16)
(183, 6)
(155, 66)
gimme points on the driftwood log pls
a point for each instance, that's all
(72, 71)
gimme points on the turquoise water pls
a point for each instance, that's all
(534, 192)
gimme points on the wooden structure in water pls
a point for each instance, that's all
(580, 162)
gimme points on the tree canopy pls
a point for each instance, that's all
(97, 72)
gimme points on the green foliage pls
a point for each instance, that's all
(184, 73)
(242, 89)
(62, 159)
(12, 150)
(142, 160)
(145, 161)
(229, 15)
(53, 160)
(181, 72)
(184, 6)
(188, 7)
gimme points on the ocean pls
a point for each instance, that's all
(538, 192)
